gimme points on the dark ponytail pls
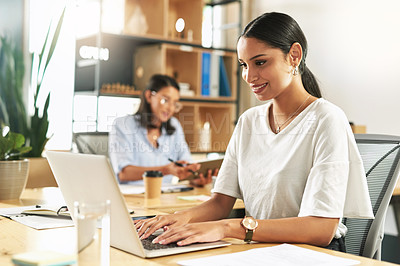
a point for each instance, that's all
(281, 31)
(310, 82)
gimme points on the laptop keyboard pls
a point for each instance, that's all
(147, 244)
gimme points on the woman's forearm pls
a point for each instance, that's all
(216, 208)
(133, 173)
(312, 230)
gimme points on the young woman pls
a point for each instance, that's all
(293, 160)
(151, 137)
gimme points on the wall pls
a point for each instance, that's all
(353, 53)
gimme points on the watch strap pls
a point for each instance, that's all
(249, 236)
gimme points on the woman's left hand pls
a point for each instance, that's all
(193, 233)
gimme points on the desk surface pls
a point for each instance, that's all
(396, 191)
(17, 238)
(169, 202)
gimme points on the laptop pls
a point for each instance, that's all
(88, 177)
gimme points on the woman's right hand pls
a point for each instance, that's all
(148, 226)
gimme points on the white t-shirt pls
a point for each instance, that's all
(311, 168)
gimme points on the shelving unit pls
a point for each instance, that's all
(129, 58)
(161, 16)
(220, 116)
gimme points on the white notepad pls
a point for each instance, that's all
(35, 221)
(281, 255)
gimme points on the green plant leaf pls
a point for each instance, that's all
(11, 146)
(5, 147)
(17, 139)
(38, 77)
(39, 129)
(50, 53)
(54, 41)
(12, 111)
(12, 108)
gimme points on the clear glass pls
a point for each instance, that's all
(93, 232)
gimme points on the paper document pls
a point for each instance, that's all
(195, 197)
(127, 189)
(35, 221)
(281, 255)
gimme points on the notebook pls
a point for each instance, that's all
(88, 177)
(52, 211)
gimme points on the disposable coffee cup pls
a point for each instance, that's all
(152, 184)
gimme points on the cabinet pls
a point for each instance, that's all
(118, 61)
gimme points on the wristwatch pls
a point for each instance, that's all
(250, 224)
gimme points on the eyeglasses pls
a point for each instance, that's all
(165, 101)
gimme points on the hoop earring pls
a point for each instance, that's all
(295, 71)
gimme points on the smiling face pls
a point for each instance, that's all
(267, 70)
(163, 103)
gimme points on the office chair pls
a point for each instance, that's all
(380, 155)
(91, 142)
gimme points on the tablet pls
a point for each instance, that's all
(205, 165)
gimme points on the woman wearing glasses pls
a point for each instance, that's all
(149, 139)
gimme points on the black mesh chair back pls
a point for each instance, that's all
(380, 155)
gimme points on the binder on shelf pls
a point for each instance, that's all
(224, 87)
(205, 74)
(214, 75)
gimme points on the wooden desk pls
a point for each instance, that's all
(170, 203)
(16, 238)
(396, 191)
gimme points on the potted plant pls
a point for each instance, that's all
(13, 169)
(13, 111)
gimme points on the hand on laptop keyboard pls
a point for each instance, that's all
(149, 245)
(147, 227)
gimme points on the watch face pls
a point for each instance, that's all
(250, 223)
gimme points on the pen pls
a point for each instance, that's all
(174, 190)
(181, 165)
(175, 162)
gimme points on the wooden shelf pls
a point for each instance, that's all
(149, 44)
(185, 64)
(208, 99)
(221, 118)
(158, 17)
(140, 40)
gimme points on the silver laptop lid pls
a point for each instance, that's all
(87, 177)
